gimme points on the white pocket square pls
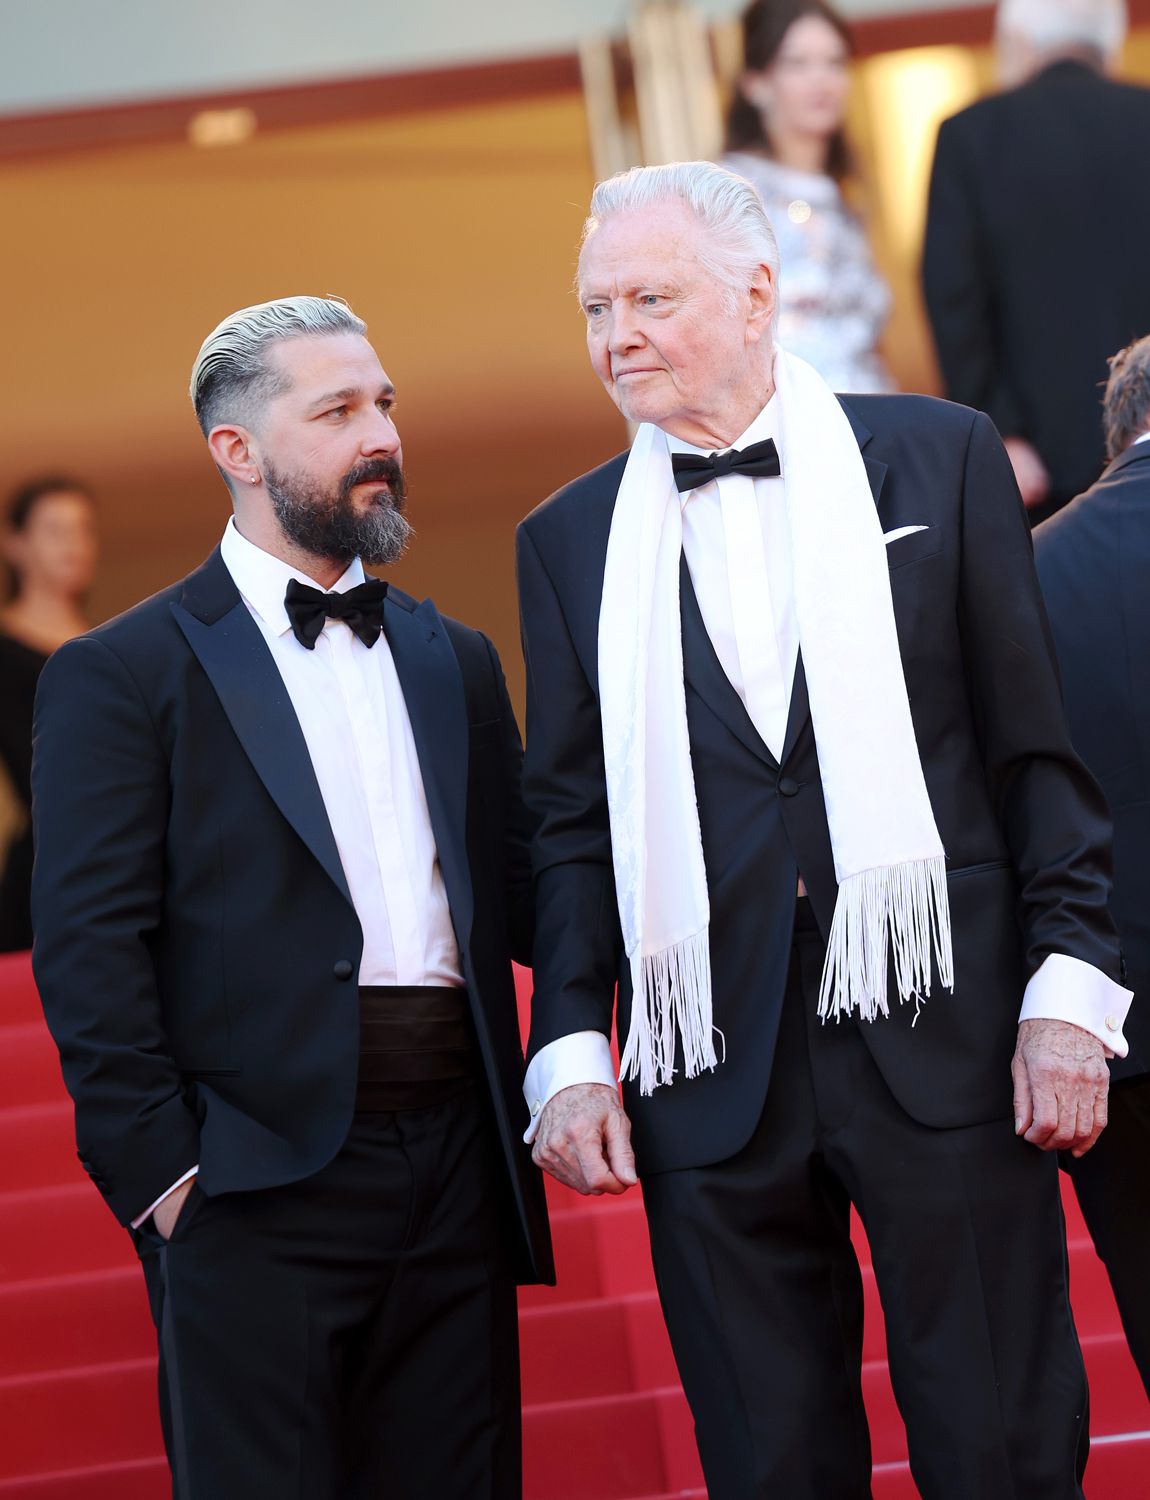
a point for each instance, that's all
(893, 536)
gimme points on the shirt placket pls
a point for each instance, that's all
(374, 754)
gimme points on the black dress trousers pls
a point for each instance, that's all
(352, 1336)
(763, 1296)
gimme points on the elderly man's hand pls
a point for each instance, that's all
(584, 1140)
(1061, 1084)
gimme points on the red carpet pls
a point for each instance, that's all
(604, 1416)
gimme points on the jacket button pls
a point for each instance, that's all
(787, 787)
(343, 968)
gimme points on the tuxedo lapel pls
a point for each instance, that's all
(220, 630)
(703, 670)
(432, 684)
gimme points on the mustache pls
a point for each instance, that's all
(375, 471)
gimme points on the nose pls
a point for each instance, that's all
(381, 436)
(624, 332)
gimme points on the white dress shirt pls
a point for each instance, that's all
(352, 712)
(741, 575)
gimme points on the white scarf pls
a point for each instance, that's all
(889, 859)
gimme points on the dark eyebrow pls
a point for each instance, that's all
(349, 393)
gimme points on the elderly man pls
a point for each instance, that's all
(1093, 562)
(802, 782)
(1035, 204)
(281, 871)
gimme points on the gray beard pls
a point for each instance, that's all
(332, 527)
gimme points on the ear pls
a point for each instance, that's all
(762, 301)
(235, 451)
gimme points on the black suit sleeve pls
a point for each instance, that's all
(1051, 811)
(577, 941)
(517, 841)
(959, 289)
(100, 809)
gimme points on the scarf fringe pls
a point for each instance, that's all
(906, 904)
(671, 1003)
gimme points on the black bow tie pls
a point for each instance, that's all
(361, 607)
(692, 469)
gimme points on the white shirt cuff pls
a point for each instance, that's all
(581, 1057)
(1069, 989)
(148, 1212)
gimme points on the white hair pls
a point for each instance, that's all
(727, 206)
(1051, 26)
(231, 379)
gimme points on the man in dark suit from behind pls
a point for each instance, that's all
(1034, 262)
(281, 873)
(1094, 566)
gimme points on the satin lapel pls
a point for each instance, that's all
(240, 667)
(800, 710)
(432, 684)
(703, 670)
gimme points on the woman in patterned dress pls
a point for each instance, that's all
(785, 134)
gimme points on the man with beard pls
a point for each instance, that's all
(281, 875)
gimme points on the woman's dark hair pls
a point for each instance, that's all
(25, 500)
(765, 23)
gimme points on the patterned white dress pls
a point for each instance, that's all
(834, 303)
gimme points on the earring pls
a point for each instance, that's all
(255, 479)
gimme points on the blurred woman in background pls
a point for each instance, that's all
(50, 546)
(785, 134)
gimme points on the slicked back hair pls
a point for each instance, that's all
(727, 206)
(231, 378)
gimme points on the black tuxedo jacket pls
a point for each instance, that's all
(1035, 258)
(196, 945)
(1093, 562)
(1023, 824)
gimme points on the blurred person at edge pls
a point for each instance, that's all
(51, 549)
(785, 135)
(1034, 265)
(1093, 562)
(281, 870)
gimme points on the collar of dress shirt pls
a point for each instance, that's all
(263, 579)
(1145, 438)
(764, 426)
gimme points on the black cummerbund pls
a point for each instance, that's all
(415, 1046)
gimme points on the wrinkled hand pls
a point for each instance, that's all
(168, 1211)
(584, 1140)
(1061, 1084)
(1029, 471)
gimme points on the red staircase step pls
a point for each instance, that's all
(86, 1319)
(70, 1419)
(1117, 1398)
(594, 1450)
(137, 1479)
(29, 1065)
(59, 1230)
(680, 1456)
(38, 1145)
(1119, 1468)
(576, 1350)
(19, 1001)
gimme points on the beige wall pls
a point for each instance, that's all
(452, 235)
